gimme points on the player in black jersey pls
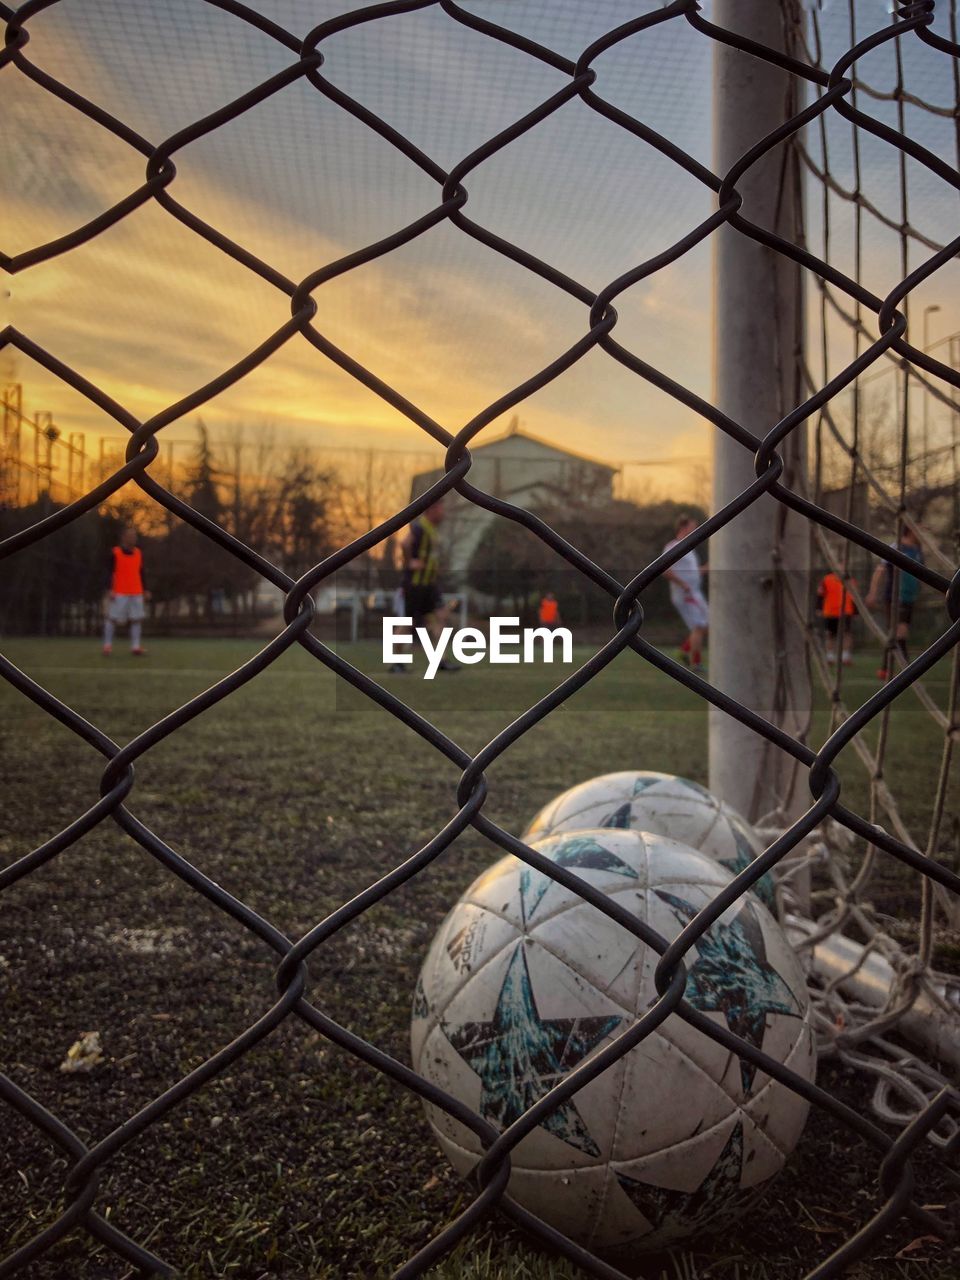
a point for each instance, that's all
(422, 597)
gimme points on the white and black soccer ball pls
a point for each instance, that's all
(644, 800)
(524, 980)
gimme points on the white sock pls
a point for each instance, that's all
(108, 632)
(135, 635)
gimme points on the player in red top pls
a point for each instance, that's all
(549, 610)
(125, 593)
(836, 601)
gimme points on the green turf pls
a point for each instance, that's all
(295, 794)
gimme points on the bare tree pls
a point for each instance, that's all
(372, 485)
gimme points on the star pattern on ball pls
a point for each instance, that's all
(692, 1210)
(745, 854)
(732, 975)
(519, 1056)
(620, 818)
(572, 851)
(421, 1006)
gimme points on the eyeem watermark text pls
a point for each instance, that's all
(506, 643)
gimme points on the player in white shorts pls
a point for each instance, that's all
(125, 593)
(686, 595)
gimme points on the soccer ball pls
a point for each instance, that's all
(524, 980)
(664, 804)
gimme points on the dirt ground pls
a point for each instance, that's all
(298, 1161)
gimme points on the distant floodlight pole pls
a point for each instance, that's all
(927, 313)
(757, 648)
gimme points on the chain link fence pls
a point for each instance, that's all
(835, 94)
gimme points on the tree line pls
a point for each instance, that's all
(290, 504)
(513, 567)
(295, 505)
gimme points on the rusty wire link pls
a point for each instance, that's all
(836, 91)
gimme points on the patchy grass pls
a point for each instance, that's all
(295, 794)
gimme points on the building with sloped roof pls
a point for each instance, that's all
(521, 469)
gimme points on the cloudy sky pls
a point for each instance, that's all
(149, 311)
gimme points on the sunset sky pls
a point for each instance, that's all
(149, 311)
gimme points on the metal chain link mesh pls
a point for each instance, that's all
(893, 1171)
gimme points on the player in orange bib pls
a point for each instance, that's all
(125, 593)
(549, 611)
(836, 602)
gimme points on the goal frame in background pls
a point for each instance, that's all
(758, 329)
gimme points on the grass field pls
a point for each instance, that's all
(295, 794)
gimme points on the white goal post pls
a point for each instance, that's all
(757, 309)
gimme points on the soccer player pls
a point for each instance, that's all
(686, 595)
(125, 593)
(881, 587)
(549, 611)
(836, 602)
(422, 598)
